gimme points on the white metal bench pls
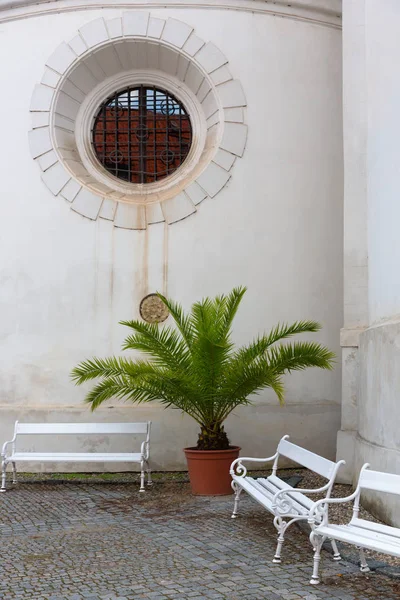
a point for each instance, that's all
(286, 503)
(358, 532)
(14, 456)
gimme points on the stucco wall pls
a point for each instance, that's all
(378, 437)
(370, 411)
(378, 432)
(355, 243)
(276, 227)
(383, 91)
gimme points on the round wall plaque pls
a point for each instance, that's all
(153, 310)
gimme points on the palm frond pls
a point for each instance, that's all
(164, 345)
(193, 366)
(182, 321)
(247, 378)
(156, 385)
(282, 331)
(299, 356)
(108, 367)
(232, 303)
(120, 388)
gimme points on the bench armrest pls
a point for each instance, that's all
(5, 445)
(238, 469)
(299, 491)
(282, 505)
(315, 510)
(327, 486)
(145, 449)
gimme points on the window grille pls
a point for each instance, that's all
(141, 134)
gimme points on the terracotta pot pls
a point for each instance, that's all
(209, 470)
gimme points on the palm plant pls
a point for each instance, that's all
(194, 367)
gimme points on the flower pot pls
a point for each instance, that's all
(209, 470)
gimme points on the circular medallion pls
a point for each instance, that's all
(153, 310)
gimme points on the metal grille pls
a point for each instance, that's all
(141, 134)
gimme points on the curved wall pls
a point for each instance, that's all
(378, 436)
(275, 227)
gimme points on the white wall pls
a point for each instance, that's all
(372, 49)
(379, 436)
(67, 281)
(355, 276)
(383, 56)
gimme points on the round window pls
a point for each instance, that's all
(141, 134)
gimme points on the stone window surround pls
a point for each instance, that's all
(150, 192)
(193, 70)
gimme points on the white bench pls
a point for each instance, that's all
(286, 503)
(13, 456)
(358, 532)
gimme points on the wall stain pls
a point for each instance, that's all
(165, 265)
(145, 264)
(96, 272)
(111, 290)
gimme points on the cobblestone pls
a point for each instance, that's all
(108, 542)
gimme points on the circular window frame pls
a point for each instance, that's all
(136, 40)
(140, 192)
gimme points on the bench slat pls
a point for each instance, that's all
(377, 527)
(269, 493)
(361, 537)
(74, 457)
(297, 507)
(381, 482)
(247, 483)
(307, 459)
(299, 499)
(264, 491)
(80, 428)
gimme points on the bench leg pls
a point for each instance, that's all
(317, 542)
(142, 475)
(364, 568)
(280, 525)
(237, 491)
(14, 468)
(3, 475)
(336, 553)
(281, 539)
(148, 471)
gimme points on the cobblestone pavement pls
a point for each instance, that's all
(107, 541)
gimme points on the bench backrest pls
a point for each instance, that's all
(378, 481)
(80, 428)
(311, 461)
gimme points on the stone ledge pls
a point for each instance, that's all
(325, 13)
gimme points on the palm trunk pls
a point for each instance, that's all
(213, 437)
